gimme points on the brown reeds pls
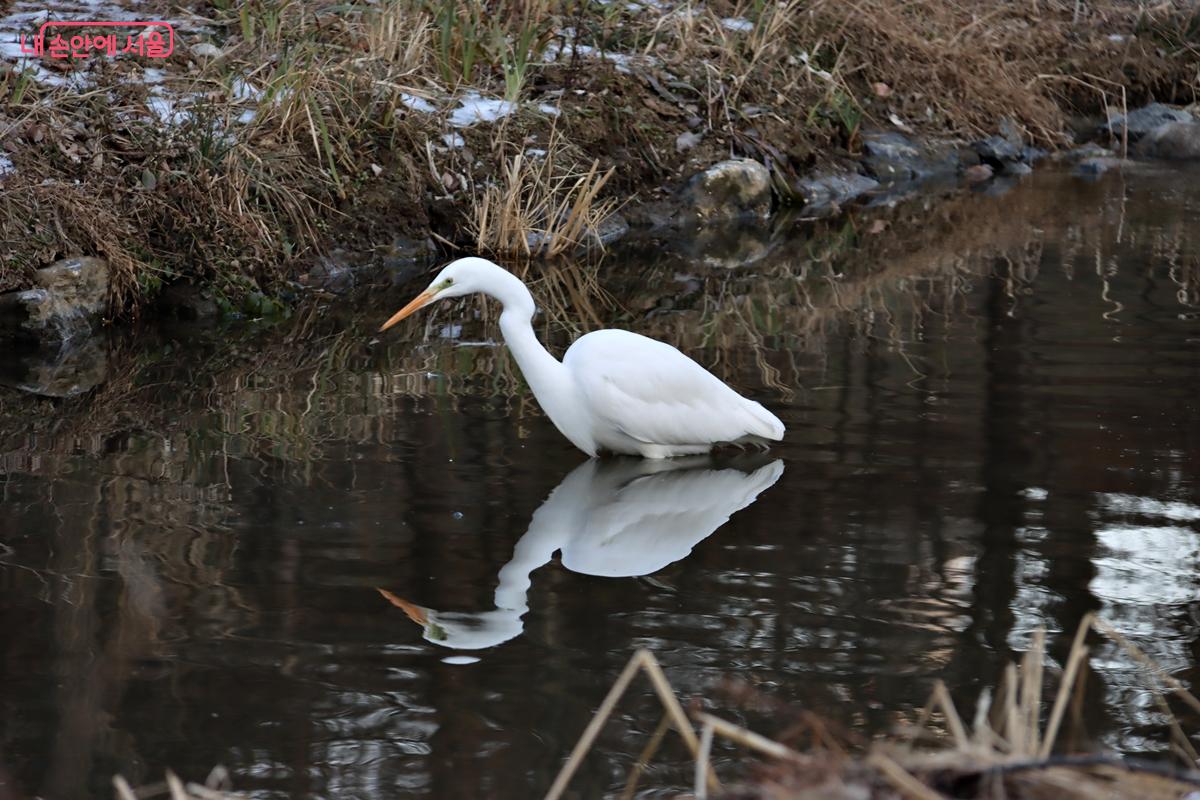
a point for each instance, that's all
(540, 205)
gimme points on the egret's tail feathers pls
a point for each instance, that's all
(767, 425)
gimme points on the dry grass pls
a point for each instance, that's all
(1004, 752)
(540, 204)
(335, 154)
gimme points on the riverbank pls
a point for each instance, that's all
(278, 134)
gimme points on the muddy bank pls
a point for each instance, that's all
(224, 178)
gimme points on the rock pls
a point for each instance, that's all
(1017, 168)
(1143, 120)
(825, 191)
(1032, 155)
(1085, 152)
(978, 173)
(655, 214)
(893, 157)
(187, 301)
(611, 229)
(730, 189)
(70, 295)
(1174, 141)
(998, 151)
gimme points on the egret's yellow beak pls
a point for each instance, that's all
(423, 299)
(415, 613)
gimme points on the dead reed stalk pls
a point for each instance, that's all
(1006, 749)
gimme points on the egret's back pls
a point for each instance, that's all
(649, 399)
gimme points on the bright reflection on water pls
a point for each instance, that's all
(613, 518)
(213, 540)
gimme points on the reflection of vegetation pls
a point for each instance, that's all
(145, 490)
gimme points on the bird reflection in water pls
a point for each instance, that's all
(614, 518)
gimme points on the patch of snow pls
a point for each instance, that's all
(474, 108)
(6, 164)
(417, 103)
(167, 109)
(739, 24)
(546, 108)
(535, 152)
(245, 92)
(453, 140)
(152, 75)
(622, 61)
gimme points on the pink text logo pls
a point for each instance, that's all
(155, 40)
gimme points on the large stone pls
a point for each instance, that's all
(1144, 120)
(610, 230)
(998, 151)
(827, 190)
(733, 189)
(1174, 141)
(68, 297)
(893, 157)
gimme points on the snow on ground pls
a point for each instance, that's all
(475, 108)
(624, 62)
(417, 103)
(739, 24)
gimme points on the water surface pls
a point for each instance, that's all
(355, 568)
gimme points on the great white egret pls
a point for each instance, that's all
(615, 518)
(614, 390)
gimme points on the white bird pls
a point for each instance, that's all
(614, 391)
(613, 518)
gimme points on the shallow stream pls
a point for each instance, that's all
(991, 403)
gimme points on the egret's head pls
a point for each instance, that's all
(464, 276)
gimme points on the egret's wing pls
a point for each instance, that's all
(653, 393)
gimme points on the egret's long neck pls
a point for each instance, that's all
(547, 377)
(544, 373)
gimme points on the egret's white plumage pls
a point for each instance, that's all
(614, 390)
(611, 518)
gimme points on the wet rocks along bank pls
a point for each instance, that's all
(68, 298)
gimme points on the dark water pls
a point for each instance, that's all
(992, 426)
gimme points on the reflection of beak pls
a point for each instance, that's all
(415, 613)
(420, 300)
